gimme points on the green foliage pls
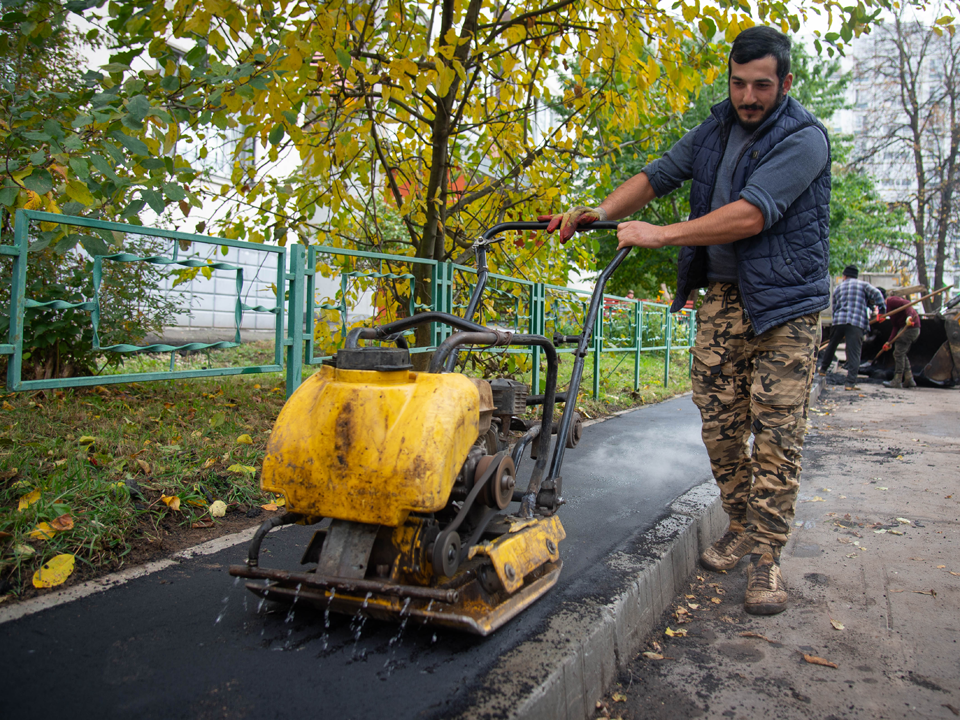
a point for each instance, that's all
(59, 343)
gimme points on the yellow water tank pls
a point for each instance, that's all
(372, 446)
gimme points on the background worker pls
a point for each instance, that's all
(757, 240)
(903, 334)
(853, 300)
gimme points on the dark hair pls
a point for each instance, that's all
(851, 271)
(758, 42)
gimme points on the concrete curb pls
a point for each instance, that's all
(563, 672)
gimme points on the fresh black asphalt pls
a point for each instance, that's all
(191, 642)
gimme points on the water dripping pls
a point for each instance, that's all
(326, 613)
(223, 610)
(291, 611)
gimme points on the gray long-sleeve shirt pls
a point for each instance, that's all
(777, 181)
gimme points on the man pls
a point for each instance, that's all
(757, 240)
(903, 334)
(852, 301)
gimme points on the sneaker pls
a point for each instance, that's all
(766, 591)
(848, 386)
(726, 552)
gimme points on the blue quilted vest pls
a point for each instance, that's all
(783, 269)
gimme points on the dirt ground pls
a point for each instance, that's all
(873, 568)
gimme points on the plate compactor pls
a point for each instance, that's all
(409, 476)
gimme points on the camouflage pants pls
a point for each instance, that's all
(747, 384)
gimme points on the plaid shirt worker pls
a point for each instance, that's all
(851, 302)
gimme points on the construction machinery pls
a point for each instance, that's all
(934, 358)
(411, 478)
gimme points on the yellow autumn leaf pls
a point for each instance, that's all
(23, 550)
(618, 697)
(280, 500)
(245, 440)
(270, 507)
(681, 632)
(837, 625)
(43, 531)
(7, 406)
(653, 656)
(86, 440)
(54, 571)
(171, 501)
(242, 469)
(144, 465)
(28, 500)
(218, 508)
(209, 463)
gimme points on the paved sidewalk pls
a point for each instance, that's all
(873, 567)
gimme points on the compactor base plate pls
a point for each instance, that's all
(473, 610)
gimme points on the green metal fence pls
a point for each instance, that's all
(522, 305)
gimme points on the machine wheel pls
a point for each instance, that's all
(499, 490)
(446, 554)
(576, 431)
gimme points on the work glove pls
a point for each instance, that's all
(909, 322)
(571, 221)
(886, 346)
(881, 317)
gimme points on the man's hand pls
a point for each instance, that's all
(909, 322)
(880, 317)
(571, 221)
(640, 234)
(886, 346)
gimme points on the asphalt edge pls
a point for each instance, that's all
(577, 658)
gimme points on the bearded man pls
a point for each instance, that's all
(757, 240)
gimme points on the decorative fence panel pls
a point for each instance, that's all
(624, 326)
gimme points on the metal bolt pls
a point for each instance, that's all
(551, 546)
(509, 571)
(507, 482)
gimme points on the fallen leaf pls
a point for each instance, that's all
(218, 509)
(952, 709)
(756, 635)
(817, 498)
(245, 440)
(64, 522)
(7, 406)
(837, 625)
(932, 593)
(898, 591)
(903, 521)
(814, 660)
(896, 532)
(23, 550)
(86, 440)
(940, 567)
(209, 463)
(28, 500)
(680, 632)
(882, 488)
(693, 606)
(716, 601)
(43, 531)
(171, 501)
(953, 573)
(879, 532)
(202, 524)
(727, 619)
(653, 656)
(279, 500)
(54, 571)
(144, 465)
(242, 469)
(618, 697)
(270, 507)
(8, 475)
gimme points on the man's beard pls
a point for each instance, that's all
(751, 126)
